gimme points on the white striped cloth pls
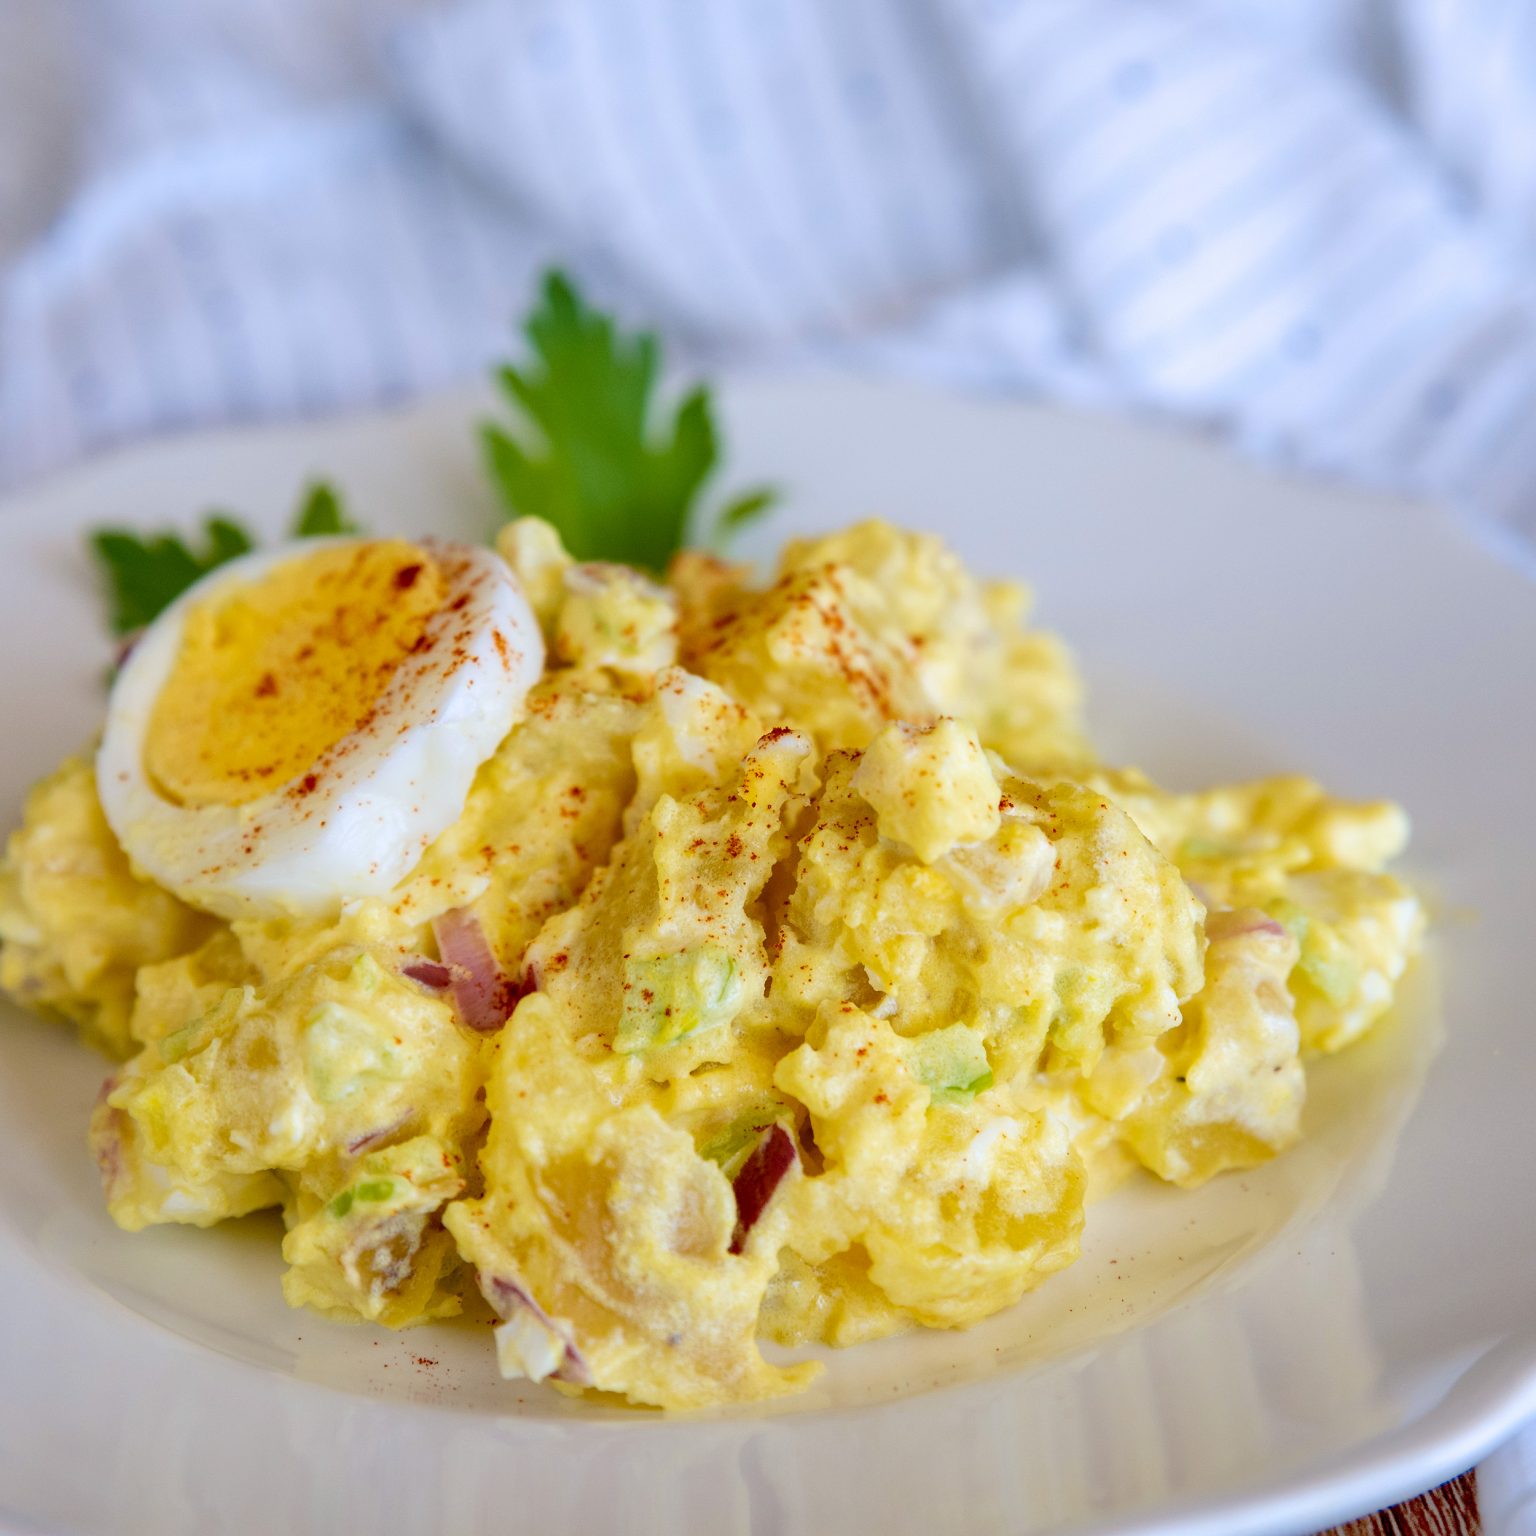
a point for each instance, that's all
(1308, 223)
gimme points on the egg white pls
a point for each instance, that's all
(380, 795)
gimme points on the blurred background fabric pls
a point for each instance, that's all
(1309, 224)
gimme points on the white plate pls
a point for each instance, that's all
(1280, 1350)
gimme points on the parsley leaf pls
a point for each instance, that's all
(321, 514)
(743, 509)
(592, 459)
(145, 576)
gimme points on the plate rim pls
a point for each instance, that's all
(1486, 1401)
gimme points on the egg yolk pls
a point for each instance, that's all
(274, 673)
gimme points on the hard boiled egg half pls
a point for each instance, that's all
(294, 730)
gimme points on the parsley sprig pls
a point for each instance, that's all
(321, 514)
(593, 453)
(145, 575)
(591, 450)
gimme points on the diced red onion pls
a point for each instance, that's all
(507, 1296)
(483, 993)
(125, 648)
(376, 1138)
(1234, 922)
(430, 973)
(760, 1176)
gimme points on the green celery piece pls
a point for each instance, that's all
(146, 575)
(592, 458)
(1203, 848)
(669, 997)
(1328, 963)
(1335, 976)
(373, 1190)
(178, 1043)
(730, 1146)
(951, 1062)
(345, 1052)
(1325, 960)
(1290, 916)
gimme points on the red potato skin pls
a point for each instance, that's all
(507, 1296)
(761, 1174)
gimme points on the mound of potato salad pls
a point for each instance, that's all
(677, 965)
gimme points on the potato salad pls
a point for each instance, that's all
(660, 967)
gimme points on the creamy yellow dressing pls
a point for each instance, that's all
(820, 878)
